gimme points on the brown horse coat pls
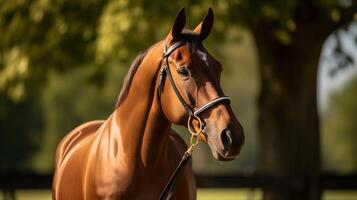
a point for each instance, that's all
(133, 153)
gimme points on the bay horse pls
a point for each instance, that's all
(133, 153)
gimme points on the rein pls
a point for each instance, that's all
(192, 112)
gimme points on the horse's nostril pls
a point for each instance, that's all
(226, 137)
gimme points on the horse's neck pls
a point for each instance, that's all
(143, 126)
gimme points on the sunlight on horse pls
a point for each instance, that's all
(133, 153)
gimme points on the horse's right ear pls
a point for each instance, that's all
(179, 24)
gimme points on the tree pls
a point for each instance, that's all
(289, 36)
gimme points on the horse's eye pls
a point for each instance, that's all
(183, 71)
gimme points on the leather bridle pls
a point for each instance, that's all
(165, 70)
(192, 112)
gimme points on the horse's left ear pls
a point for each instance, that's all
(179, 24)
(205, 27)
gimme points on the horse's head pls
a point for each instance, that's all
(189, 85)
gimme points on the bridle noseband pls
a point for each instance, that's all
(192, 112)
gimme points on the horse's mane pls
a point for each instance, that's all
(129, 77)
(187, 35)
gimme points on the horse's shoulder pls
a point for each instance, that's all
(77, 135)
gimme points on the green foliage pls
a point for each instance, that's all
(127, 27)
(40, 35)
(339, 128)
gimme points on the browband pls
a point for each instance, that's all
(172, 48)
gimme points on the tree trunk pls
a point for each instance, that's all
(288, 120)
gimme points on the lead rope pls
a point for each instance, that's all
(170, 186)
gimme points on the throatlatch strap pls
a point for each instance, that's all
(162, 77)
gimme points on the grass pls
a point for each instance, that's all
(202, 194)
(228, 194)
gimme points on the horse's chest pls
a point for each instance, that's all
(125, 188)
(112, 185)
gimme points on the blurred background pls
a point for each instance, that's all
(290, 67)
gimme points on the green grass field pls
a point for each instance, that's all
(203, 194)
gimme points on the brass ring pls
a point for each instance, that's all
(189, 125)
(194, 140)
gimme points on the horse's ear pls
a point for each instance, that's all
(204, 28)
(179, 24)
